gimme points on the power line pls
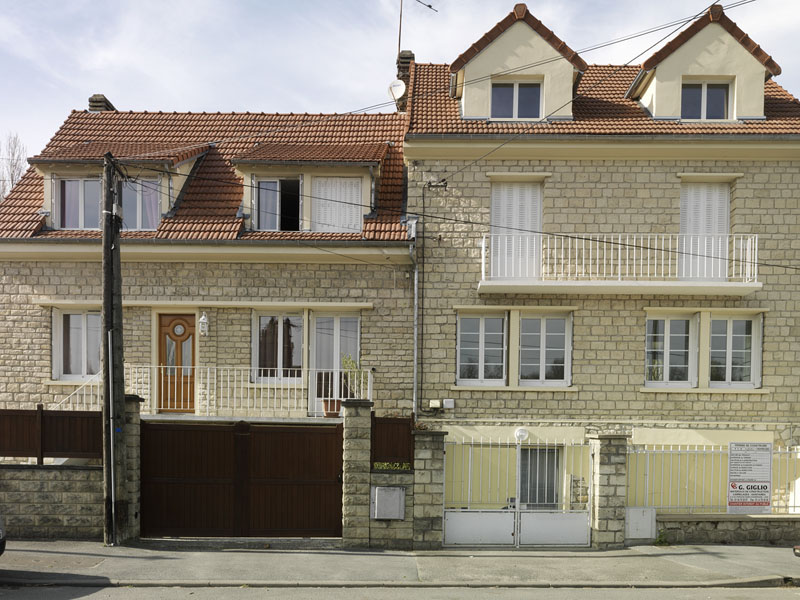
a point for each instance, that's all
(307, 243)
(325, 118)
(460, 221)
(528, 128)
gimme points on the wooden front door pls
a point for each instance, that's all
(176, 363)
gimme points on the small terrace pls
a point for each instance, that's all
(233, 391)
(712, 265)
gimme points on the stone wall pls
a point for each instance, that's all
(729, 529)
(428, 489)
(356, 466)
(603, 197)
(394, 534)
(29, 290)
(56, 502)
(609, 487)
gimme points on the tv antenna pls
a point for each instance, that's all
(400, 28)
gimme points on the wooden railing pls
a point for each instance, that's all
(51, 434)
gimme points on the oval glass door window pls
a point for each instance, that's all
(179, 329)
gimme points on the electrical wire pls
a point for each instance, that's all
(324, 118)
(461, 221)
(528, 128)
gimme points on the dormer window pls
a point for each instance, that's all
(140, 205)
(278, 205)
(705, 101)
(77, 204)
(516, 100)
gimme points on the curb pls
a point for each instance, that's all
(95, 582)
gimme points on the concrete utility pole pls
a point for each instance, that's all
(114, 459)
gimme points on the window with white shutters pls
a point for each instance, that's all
(516, 222)
(337, 204)
(705, 211)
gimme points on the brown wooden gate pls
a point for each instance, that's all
(241, 480)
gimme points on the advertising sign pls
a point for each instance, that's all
(749, 477)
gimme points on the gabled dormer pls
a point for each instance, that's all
(519, 70)
(156, 175)
(712, 71)
(310, 187)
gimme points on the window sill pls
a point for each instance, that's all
(513, 388)
(72, 382)
(708, 390)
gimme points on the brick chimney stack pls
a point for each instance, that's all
(404, 60)
(99, 103)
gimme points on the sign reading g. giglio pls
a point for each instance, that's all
(749, 477)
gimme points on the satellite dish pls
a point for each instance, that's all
(396, 89)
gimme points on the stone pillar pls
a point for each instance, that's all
(609, 484)
(356, 468)
(428, 489)
(131, 470)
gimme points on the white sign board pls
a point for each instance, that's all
(749, 477)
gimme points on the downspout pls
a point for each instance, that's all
(412, 252)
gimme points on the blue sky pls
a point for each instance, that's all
(279, 56)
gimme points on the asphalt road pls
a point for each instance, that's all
(212, 593)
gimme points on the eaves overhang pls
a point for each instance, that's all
(214, 251)
(622, 147)
(309, 163)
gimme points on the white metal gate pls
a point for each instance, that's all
(516, 493)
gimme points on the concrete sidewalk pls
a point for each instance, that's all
(89, 564)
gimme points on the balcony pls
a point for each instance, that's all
(233, 391)
(713, 265)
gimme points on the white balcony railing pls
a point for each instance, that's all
(620, 257)
(233, 391)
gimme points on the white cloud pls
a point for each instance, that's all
(315, 56)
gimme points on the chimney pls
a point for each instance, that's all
(404, 60)
(99, 103)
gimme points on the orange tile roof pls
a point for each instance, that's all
(520, 13)
(95, 151)
(304, 153)
(714, 14)
(212, 198)
(601, 108)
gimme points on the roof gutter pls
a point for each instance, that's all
(311, 163)
(541, 137)
(362, 243)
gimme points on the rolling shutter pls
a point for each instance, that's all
(337, 204)
(516, 223)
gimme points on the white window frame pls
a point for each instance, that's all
(256, 225)
(255, 336)
(58, 344)
(543, 381)
(515, 100)
(694, 327)
(704, 99)
(138, 183)
(337, 340)
(481, 380)
(755, 351)
(58, 218)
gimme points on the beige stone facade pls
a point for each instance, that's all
(229, 293)
(608, 196)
